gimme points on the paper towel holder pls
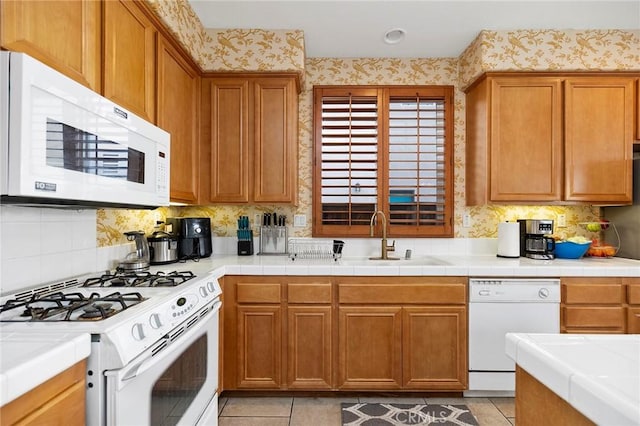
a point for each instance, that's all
(508, 240)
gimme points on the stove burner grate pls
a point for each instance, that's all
(71, 306)
(139, 279)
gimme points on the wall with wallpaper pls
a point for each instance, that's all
(221, 49)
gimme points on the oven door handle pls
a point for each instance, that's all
(149, 359)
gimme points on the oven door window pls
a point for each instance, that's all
(177, 388)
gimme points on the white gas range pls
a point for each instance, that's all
(154, 341)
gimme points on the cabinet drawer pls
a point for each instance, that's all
(258, 292)
(309, 293)
(402, 293)
(610, 318)
(633, 294)
(600, 291)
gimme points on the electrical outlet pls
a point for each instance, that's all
(299, 220)
(562, 221)
(257, 220)
(466, 220)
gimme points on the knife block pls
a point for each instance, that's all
(273, 240)
(245, 246)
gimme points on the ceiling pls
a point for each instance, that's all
(434, 28)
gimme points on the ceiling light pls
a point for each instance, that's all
(395, 35)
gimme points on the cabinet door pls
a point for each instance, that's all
(177, 111)
(599, 126)
(434, 348)
(275, 129)
(129, 57)
(63, 34)
(370, 348)
(259, 347)
(633, 320)
(309, 347)
(526, 139)
(225, 110)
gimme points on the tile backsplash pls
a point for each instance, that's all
(41, 245)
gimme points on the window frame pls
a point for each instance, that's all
(384, 94)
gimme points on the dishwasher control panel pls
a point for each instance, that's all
(514, 290)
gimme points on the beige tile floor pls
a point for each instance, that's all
(321, 411)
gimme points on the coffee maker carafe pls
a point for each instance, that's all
(194, 236)
(534, 243)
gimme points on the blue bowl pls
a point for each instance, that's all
(569, 250)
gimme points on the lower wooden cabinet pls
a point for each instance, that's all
(370, 348)
(58, 401)
(259, 347)
(309, 347)
(600, 305)
(337, 333)
(633, 309)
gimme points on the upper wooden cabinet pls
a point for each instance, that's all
(63, 34)
(551, 138)
(178, 100)
(598, 139)
(129, 57)
(249, 139)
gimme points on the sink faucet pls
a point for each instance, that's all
(384, 248)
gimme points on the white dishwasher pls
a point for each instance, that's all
(503, 305)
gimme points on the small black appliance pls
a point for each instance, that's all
(194, 236)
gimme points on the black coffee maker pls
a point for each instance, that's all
(194, 236)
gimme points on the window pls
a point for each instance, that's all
(383, 148)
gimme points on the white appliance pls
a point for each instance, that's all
(154, 342)
(63, 144)
(498, 306)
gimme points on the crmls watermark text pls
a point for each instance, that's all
(416, 417)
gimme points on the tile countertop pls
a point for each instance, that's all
(599, 375)
(417, 265)
(30, 359)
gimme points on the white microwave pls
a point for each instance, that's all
(63, 144)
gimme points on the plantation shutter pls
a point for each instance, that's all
(349, 159)
(387, 148)
(417, 186)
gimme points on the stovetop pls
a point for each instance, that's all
(68, 305)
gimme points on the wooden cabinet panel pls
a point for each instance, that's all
(258, 292)
(370, 347)
(593, 319)
(419, 293)
(599, 125)
(60, 400)
(275, 141)
(600, 291)
(633, 290)
(129, 57)
(309, 293)
(225, 109)
(526, 139)
(259, 347)
(310, 347)
(63, 34)
(178, 100)
(638, 111)
(633, 320)
(434, 348)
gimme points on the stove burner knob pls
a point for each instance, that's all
(203, 291)
(155, 322)
(137, 331)
(211, 286)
